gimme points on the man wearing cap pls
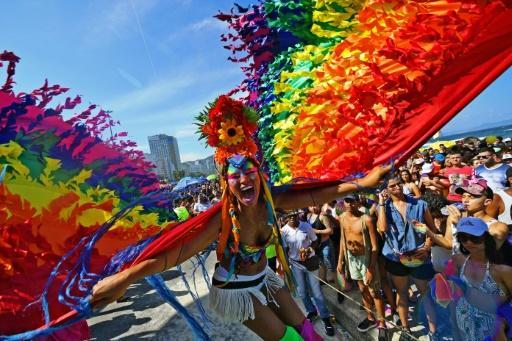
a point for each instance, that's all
(419, 161)
(438, 162)
(430, 181)
(359, 252)
(508, 142)
(416, 167)
(507, 158)
(493, 169)
(455, 175)
(501, 205)
(476, 196)
(301, 240)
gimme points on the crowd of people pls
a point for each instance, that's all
(445, 206)
(421, 221)
(196, 199)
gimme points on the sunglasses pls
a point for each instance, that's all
(464, 238)
(483, 156)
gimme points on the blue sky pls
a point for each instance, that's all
(155, 76)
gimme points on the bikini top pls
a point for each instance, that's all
(317, 223)
(488, 284)
(243, 253)
(248, 253)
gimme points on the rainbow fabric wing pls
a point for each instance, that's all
(344, 85)
(60, 182)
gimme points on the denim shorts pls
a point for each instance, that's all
(326, 254)
(423, 272)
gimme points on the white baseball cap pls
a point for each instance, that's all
(427, 168)
(506, 156)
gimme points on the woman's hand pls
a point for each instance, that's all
(109, 290)
(374, 177)
(422, 253)
(419, 226)
(383, 196)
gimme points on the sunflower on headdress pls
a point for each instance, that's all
(229, 127)
(230, 133)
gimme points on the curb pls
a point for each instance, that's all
(349, 316)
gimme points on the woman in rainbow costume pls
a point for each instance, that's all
(244, 289)
(340, 86)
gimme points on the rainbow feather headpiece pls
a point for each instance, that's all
(229, 127)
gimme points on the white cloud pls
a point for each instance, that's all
(192, 156)
(142, 99)
(185, 131)
(207, 24)
(144, 106)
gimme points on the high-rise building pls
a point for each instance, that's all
(175, 156)
(165, 154)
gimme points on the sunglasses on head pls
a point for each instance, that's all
(464, 238)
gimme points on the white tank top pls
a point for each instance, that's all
(507, 203)
(490, 222)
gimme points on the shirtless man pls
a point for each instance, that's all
(359, 249)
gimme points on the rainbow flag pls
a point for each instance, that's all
(344, 85)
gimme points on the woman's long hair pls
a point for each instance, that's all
(490, 248)
(401, 177)
(230, 222)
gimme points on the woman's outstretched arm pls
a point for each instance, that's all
(313, 197)
(113, 287)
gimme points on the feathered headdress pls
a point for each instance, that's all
(229, 127)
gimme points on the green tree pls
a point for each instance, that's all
(178, 174)
(196, 174)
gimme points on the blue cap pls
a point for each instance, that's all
(473, 226)
(439, 157)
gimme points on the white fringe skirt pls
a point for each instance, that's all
(232, 300)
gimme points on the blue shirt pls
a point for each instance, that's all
(496, 177)
(401, 234)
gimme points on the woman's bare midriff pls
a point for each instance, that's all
(249, 269)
